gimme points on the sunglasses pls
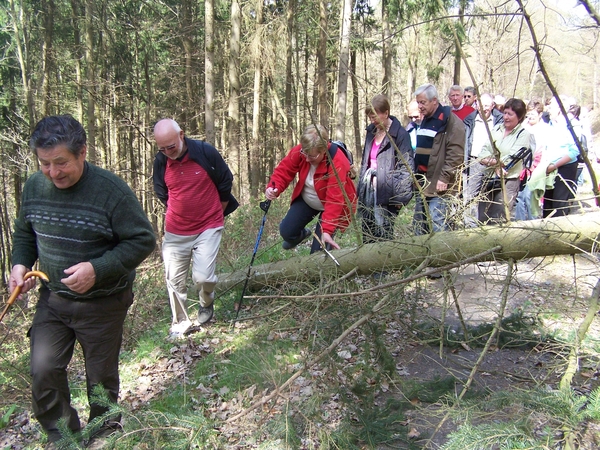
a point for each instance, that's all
(413, 117)
(167, 149)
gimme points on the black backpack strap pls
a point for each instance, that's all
(333, 149)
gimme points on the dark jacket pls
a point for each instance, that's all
(207, 157)
(447, 154)
(394, 170)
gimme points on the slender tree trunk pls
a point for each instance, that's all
(356, 109)
(233, 123)
(75, 19)
(386, 49)
(457, 57)
(340, 130)
(209, 86)
(22, 48)
(188, 51)
(91, 81)
(256, 150)
(412, 61)
(47, 57)
(289, 77)
(322, 89)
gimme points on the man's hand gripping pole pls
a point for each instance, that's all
(17, 291)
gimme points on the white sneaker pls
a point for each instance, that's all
(181, 327)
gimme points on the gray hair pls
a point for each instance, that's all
(429, 90)
(455, 87)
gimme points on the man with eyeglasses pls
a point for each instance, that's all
(414, 117)
(470, 97)
(194, 182)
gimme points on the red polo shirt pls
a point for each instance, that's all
(193, 205)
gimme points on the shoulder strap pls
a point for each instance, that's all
(333, 149)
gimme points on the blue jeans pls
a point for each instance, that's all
(433, 209)
(523, 205)
(298, 216)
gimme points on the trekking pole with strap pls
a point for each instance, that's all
(265, 207)
(524, 153)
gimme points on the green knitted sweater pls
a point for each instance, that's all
(98, 219)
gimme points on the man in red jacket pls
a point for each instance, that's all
(324, 188)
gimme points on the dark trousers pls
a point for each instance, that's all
(298, 216)
(380, 228)
(491, 205)
(559, 198)
(58, 322)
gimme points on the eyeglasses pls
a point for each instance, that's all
(167, 149)
(310, 156)
(414, 117)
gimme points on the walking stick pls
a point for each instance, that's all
(17, 291)
(265, 207)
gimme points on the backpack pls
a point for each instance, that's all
(335, 145)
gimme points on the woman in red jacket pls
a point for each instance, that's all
(324, 188)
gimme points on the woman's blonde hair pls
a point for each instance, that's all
(314, 136)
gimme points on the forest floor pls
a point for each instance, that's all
(550, 290)
(547, 299)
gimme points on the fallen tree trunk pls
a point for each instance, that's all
(561, 236)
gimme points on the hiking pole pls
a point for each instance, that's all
(17, 291)
(265, 207)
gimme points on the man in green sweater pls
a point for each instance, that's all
(89, 232)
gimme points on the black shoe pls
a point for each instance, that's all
(205, 314)
(288, 245)
(99, 439)
(379, 276)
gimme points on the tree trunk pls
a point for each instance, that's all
(356, 109)
(187, 21)
(209, 85)
(289, 77)
(91, 81)
(22, 48)
(256, 150)
(561, 236)
(75, 18)
(387, 52)
(47, 57)
(340, 125)
(233, 124)
(322, 66)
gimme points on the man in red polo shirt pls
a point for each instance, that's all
(194, 182)
(456, 97)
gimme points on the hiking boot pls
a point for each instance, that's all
(100, 438)
(288, 245)
(205, 314)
